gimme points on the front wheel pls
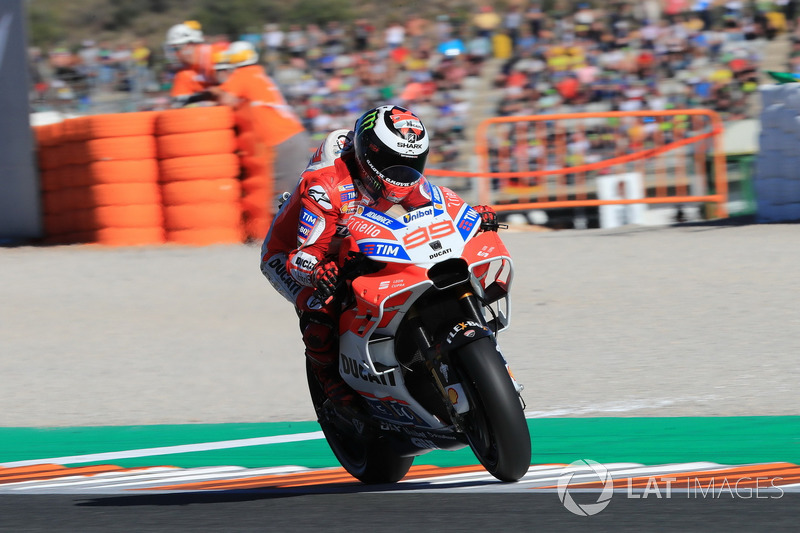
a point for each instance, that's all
(365, 455)
(495, 426)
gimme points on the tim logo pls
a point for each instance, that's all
(468, 220)
(385, 250)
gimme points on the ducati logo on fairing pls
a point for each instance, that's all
(351, 366)
(440, 253)
(436, 245)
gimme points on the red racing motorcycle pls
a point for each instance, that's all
(424, 299)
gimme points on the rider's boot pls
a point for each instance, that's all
(332, 383)
(322, 350)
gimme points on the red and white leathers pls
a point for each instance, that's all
(312, 223)
(310, 228)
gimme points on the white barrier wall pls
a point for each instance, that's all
(777, 173)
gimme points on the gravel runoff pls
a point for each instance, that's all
(696, 320)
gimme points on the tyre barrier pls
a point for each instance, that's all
(192, 119)
(100, 180)
(199, 176)
(256, 161)
(191, 176)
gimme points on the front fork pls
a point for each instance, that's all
(469, 304)
(437, 361)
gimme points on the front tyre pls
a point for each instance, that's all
(495, 426)
(365, 455)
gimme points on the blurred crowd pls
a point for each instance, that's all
(73, 77)
(617, 55)
(330, 76)
(631, 56)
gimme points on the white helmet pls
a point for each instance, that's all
(241, 54)
(221, 61)
(184, 33)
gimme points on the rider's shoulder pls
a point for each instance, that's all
(326, 187)
(333, 146)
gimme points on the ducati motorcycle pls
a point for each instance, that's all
(423, 301)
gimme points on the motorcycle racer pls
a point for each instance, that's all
(379, 164)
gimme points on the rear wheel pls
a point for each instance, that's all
(495, 424)
(366, 455)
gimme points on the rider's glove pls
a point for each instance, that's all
(488, 218)
(324, 278)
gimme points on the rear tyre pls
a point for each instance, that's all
(365, 455)
(496, 428)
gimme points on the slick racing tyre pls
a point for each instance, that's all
(365, 455)
(495, 425)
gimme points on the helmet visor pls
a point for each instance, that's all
(401, 176)
(398, 182)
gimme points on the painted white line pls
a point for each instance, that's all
(103, 477)
(451, 478)
(97, 480)
(129, 479)
(622, 406)
(191, 476)
(168, 450)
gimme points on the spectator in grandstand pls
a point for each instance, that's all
(486, 21)
(89, 55)
(394, 35)
(273, 41)
(140, 71)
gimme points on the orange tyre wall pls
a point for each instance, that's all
(191, 176)
(99, 179)
(256, 160)
(199, 175)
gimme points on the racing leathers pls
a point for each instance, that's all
(309, 229)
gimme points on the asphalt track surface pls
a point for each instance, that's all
(697, 320)
(229, 512)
